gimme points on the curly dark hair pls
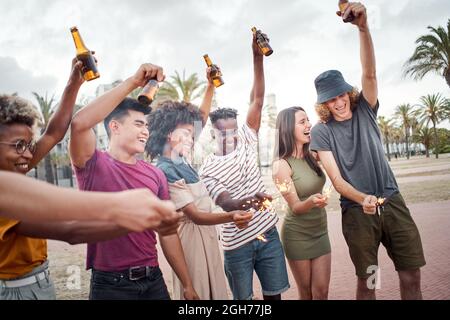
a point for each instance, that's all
(223, 113)
(166, 117)
(14, 110)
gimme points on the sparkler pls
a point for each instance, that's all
(283, 187)
(327, 191)
(266, 205)
(380, 201)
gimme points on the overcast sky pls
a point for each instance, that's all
(36, 47)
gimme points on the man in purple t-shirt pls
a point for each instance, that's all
(125, 267)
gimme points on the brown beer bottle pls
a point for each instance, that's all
(89, 69)
(342, 6)
(148, 93)
(216, 75)
(262, 42)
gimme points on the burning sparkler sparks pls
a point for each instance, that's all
(380, 201)
(284, 186)
(327, 191)
(265, 205)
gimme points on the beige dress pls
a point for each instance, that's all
(200, 245)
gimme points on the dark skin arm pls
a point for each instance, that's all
(228, 204)
(73, 232)
(205, 107)
(240, 218)
(257, 93)
(60, 121)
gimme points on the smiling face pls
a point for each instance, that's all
(340, 107)
(302, 128)
(181, 140)
(10, 159)
(225, 132)
(130, 132)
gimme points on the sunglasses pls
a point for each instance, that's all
(21, 146)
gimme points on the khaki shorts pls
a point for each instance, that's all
(41, 290)
(393, 226)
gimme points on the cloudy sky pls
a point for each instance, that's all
(36, 47)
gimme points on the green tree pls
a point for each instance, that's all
(405, 114)
(424, 136)
(443, 141)
(47, 110)
(385, 126)
(182, 88)
(434, 109)
(432, 54)
(397, 135)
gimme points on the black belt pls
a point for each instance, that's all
(136, 273)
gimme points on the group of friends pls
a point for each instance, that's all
(126, 200)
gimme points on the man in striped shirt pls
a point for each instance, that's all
(233, 179)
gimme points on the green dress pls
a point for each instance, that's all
(305, 236)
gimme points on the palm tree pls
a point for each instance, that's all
(189, 89)
(397, 135)
(432, 54)
(47, 110)
(415, 126)
(386, 131)
(424, 136)
(405, 113)
(434, 109)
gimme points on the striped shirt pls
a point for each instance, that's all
(239, 174)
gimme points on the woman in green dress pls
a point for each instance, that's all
(300, 180)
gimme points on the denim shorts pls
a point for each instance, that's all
(266, 258)
(117, 286)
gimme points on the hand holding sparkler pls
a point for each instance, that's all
(370, 204)
(242, 218)
(255, 202)
(318, 200)
(326, 192)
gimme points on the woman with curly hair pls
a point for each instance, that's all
(304, 232)
(172, 132)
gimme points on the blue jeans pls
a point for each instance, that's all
(266, 258)
(117, 286)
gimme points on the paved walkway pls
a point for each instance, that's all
(433, 221)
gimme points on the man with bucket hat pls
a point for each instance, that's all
(350, 148)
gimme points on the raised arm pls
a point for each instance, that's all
(257, 93)
(60, 121)
(82, 140)
(205, 107)
(368, 202)
(367, 53)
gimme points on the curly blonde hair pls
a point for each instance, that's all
(324, 113)
(14, 109)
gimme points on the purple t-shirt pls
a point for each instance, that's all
(103, 173)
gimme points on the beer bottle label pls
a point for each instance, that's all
(148, 93)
